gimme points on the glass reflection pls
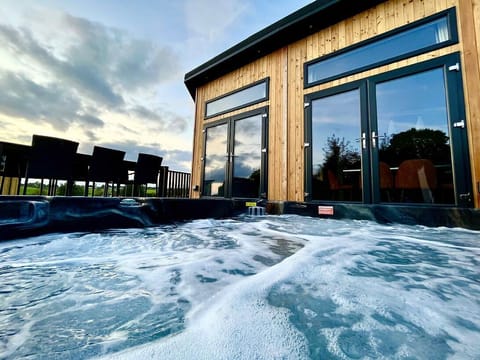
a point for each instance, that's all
(411, 40)
(243, 97)
(336, 153)
(215, 161)
(247, 159)
(414, 148)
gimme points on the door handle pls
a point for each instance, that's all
(374, 139)
(363, 139)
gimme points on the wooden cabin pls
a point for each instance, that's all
(369, 102)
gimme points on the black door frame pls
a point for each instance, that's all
(361, 85)
(456, 116)
(230, 121)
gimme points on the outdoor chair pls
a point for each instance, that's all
(106, 166)
(416, 180)
(13, 163)
(337, 188)
(386, 179)
(126, 177)
(81, 164)
(146, 172)
(50, 158)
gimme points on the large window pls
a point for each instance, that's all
(246, 96)
(422, 36)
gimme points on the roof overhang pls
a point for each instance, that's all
(308, 20)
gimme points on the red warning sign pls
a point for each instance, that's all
(325, 210)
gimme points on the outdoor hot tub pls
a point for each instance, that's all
(243, 287)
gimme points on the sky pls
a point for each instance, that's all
(111, 72)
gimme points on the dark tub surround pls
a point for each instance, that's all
(411, 215)
(22, 216)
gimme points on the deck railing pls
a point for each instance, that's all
(174, 183)
(171, 184)
(77, 171)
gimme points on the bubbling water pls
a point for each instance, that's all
(271, 287)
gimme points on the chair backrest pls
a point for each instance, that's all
(332, 180)
(128, 168)
(106, 164)
(13, 159)
(51, 158)
(81, 163)
(147, 168)
(416, 174)
(386, 177)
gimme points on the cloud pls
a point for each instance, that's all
(24, 98)
(211, 25)
(123, 61)
(91, 136)
(91, 120)
(86, 78)
(82, 77)
(162, 120)
(178, 160)
(98, 64)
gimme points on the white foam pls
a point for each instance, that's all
(389, 291)
(236, 323)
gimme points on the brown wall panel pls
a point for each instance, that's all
(277, 158)
(10, 185)
(296, 58)
(469, 28)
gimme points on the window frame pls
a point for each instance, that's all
(449, 14)
(265, 98)
(454, 91)
(359, 85)
(229, 121)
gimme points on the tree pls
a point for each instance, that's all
(339, 155)
(416, 144)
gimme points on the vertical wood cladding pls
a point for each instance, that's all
(285, 69)
(469, 27)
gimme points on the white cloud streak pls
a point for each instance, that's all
(210, 19)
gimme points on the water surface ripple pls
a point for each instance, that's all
(270, 287)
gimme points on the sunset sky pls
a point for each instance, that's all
(111, 72)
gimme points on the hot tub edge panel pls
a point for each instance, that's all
(23, 216)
